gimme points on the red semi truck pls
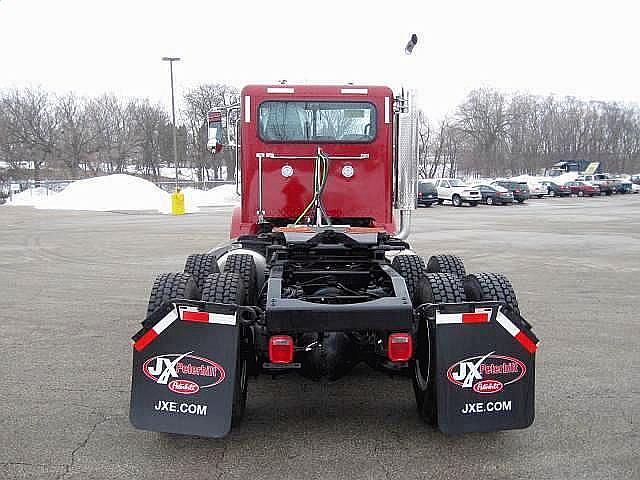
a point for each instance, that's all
(318, 276)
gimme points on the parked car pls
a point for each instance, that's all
(635, 188)
(427, 193)
(582, 189)
(622, 186)
(635, 179)
(537, 189)
(494, 195)
(555, 190)
(602, 180)
(457, 192)
(519, 190)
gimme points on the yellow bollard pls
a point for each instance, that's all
(177, 202)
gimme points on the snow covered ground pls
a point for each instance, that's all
(31, 197)
(122, 192)
(215, 197)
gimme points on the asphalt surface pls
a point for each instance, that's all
(74, 285)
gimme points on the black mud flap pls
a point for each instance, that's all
(184, 363)
(485, 367)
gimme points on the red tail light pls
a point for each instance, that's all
(400, 347)
(281, 349)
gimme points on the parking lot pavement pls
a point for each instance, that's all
(74, 287)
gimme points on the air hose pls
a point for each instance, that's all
(320, 175)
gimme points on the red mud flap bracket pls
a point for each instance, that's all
(485, 367)
(184, 364)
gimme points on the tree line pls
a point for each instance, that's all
(491, 133)
(66, 135)
(494, 134)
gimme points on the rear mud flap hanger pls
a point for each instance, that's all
(484, 366)
(184, 367)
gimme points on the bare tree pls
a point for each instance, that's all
(31, 124)
(76, 132)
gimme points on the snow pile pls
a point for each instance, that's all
(31, 197)
(122, 192)
(223, 195)
(112, 192)
(560, 179)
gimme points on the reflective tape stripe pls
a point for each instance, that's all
(448, 318)
(387, 110)
(516, 333)
(191, 314)
(247, 109)
(145, 340)
(156, 330)
(356, 91)
(280, 90)
(507, 324)
(480, 316)
(483, 315)
(223, 319)
(168, 319)
(526, 342)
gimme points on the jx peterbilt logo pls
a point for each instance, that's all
(184, 373)
(486, 373)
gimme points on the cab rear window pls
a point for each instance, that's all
(317, 122)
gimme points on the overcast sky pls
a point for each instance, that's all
(582, 48)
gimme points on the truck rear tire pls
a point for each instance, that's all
(456, 201)
(200, 265)
(172, 285)
(434, 288)
(490, 287)
(412, 269)
(244, 265)
(446, 264)
(229, 288)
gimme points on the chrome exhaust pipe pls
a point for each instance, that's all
(406, 162)
(405, 225)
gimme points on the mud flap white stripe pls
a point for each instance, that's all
(166, 321)
(507, 324)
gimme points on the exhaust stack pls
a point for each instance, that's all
(406, 155)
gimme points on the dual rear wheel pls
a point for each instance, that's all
(442, 280)
(202, 280)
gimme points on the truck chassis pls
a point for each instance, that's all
(316, 302)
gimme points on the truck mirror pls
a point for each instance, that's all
(215, 120)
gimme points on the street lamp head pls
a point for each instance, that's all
(410, 44)
(170, 59)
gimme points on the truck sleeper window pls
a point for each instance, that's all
(313, 122)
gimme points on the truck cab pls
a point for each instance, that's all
(282, 129)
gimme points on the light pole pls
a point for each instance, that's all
(173, 115)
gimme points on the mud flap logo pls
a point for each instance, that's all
(184, 373)
(486, 374)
